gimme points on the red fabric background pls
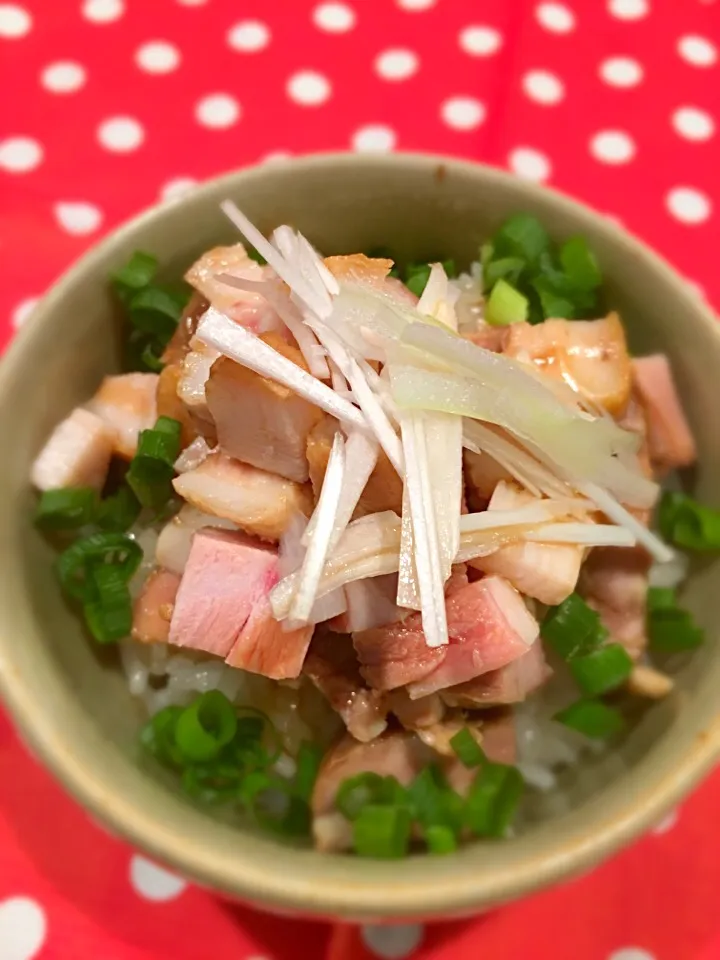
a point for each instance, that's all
(68, 891)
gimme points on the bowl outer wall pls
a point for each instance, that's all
(69, 703)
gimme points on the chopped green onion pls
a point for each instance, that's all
(273, 805)
(158, 736)
(433, 802)
(687, 523)
(119, 511)
(151, 470)
(162, 442)
(417, 279)
(661, 598)
(592, 718)
(440, 840)
(507, 268)
(579, 264)
(553, 304)
(573, 628)
(521, 236)
(137, 273)
(212, 782)
(257, 257)
(493, 800)
(673, 630)
(309, 759)
(367, 788)
(206, 726)
(151, 354)
(382, 832)
(109, 614)
(155, 311)
(75, 565)
(66, 508)
(505, 305)
(256, 728)
(602, 670)
(467, 748)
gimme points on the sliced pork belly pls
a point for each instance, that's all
(77, 453)
(614, 582)
(154, 607)
(488, 626)
(259, 421)
(127, 404)
(383, 490)
(591, 356)
(265, 647)
(548, 572)
(332, 665)
(261, 503)
(488, 337)
(510, 684)
(184, 332)
(670, 440)
(249, 309)
(372, 272)
(169, 404)
(191, 383)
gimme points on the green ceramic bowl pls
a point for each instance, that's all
(70, 701)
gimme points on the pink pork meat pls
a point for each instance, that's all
(670, 440)
(222, 606)
(489, 626)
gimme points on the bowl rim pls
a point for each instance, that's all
(381, 890)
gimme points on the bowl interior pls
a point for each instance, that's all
(69, 697)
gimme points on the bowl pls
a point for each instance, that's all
(68, 698)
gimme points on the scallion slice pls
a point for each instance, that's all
(432, 801)
(151, 470)
(137, 273)
(467, 748)
(689, 524)
(592, 718)
(109, 613)
(158, 736)
(440, 840)
(673, 630)
(75, 565)
(573, 628)
(205, 727)
(579, 264)
(505, 305)
(308, 761)
(367, 788)
(602, 670)
(155, 311)
(119, 511)
(66, 508)
(493, 800)
(382, 832)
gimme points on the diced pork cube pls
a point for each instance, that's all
(591, 356)
(670, 440)
(259, 421)
(488, 626)
(614, 582)
(128, 405)
(370, 603)
(263, 504)
(266, 647)
(154, 607)
(546, 571)
(510, 684)
(169, 404)
(372, 272)
(184, 332)
(76, 455)
(175, 540)
(333, 667)
(249, 309)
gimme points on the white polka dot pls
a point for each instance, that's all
(397, 64)
(374, 139)
(693, 124)
(103, 11)
(334, 17)
(120, 134)
(698, 51)
(22, 311)
(23, 928)
(543, 86)
(631, 953)
(416, 4)
(392, 943)
(529, 164)
(612, 146)
(248, 36)
(480, 41)
(621, 71)
(78, 218)
(158, 56)
(688, 204)
(628, 9)
(20, 154)
(555, 17)
(15, 21)
(669, 821)
(179, 187)
(153, 882)
(276, 156)
(63, 77)
(218, 110)
(463, 113)
(192, 3)
(308, 88)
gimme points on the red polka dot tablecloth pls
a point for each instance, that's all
(109, 106)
